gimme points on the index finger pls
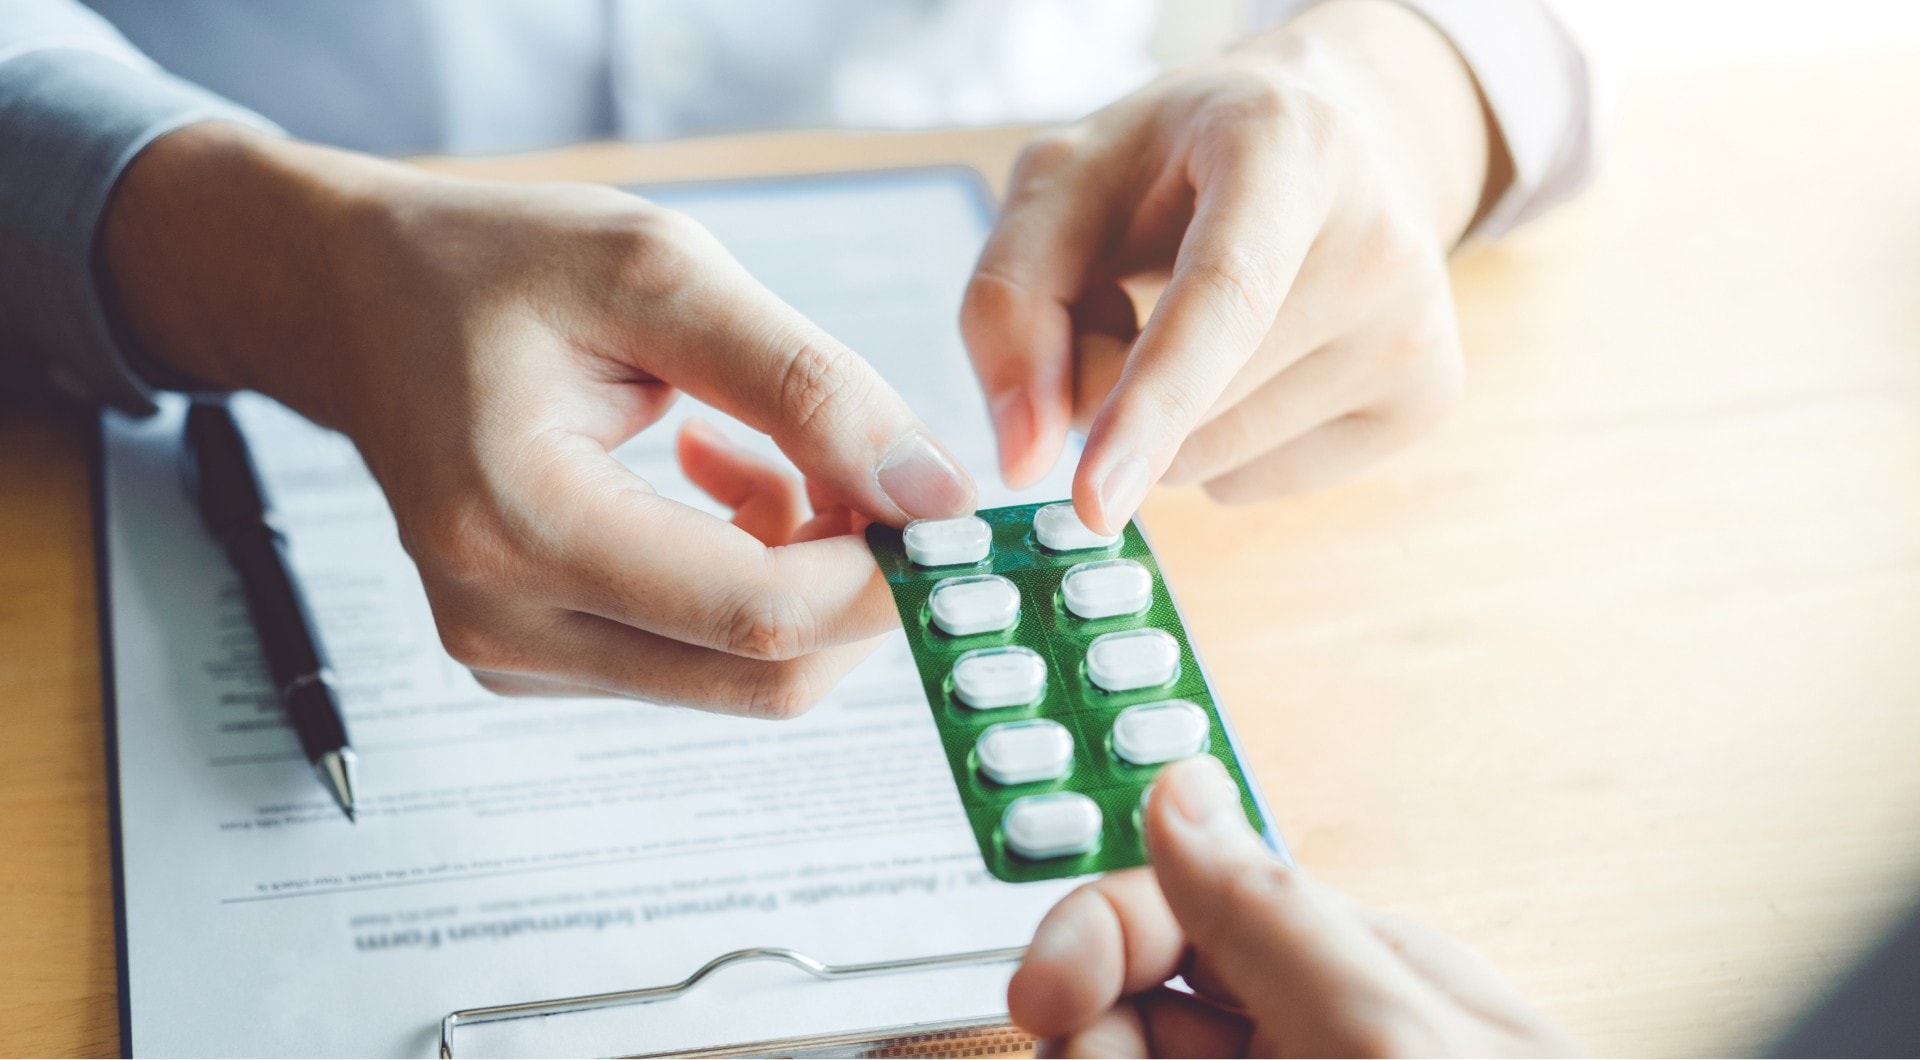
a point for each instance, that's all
(1252, 226)
(1017, 314)
(625, 553)
(721, 336)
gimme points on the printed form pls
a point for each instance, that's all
(513, 849)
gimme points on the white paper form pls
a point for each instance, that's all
(513, 850)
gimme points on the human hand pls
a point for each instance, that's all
(1279, 965)
(486, 346)
(1298, 197)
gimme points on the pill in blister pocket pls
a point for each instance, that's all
(1107, 588)
(1021, 752)
(1152, 733)
(947, 542)
(1134, 658)
(1060, 529)
(985, 603)
(1050, 662)
(1053, 825)
(987, 678)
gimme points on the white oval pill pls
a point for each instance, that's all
(947, 542)
(1107, 588)
(1134, 658)
(987, 678)
(1021, 752)
(1060, 529)
(1152, 733)
(986, 603)
(1053, 825)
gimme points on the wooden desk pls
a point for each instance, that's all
(1616, 678)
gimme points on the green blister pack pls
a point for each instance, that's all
(1061, 680)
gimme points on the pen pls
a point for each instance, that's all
(226, 485)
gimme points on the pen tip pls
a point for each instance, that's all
(336, 772)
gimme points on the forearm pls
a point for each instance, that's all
(1409, 84)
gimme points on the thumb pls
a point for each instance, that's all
(1262, 928)
(744, 351)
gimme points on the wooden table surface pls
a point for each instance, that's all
(1616, 678)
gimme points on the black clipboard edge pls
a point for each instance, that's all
(110, 713)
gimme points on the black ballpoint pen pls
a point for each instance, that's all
(227, 487)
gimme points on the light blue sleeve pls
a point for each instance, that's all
(77, 103)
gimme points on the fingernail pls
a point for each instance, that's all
(922, 480)
(1122, 490)
(1204, 794)
(1014, 424)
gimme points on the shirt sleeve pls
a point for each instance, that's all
(77, 103)
(1551, 93)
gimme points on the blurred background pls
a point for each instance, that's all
(1638, 33)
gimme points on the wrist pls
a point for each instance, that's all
(221, 255)
(1417, 99)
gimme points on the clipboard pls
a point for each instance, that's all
(988, 1033)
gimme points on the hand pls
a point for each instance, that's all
(1298, 198)
(485, 346)
(1280, 966)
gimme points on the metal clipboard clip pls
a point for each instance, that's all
(981, 1036)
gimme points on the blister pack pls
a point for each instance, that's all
(1060, 678)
